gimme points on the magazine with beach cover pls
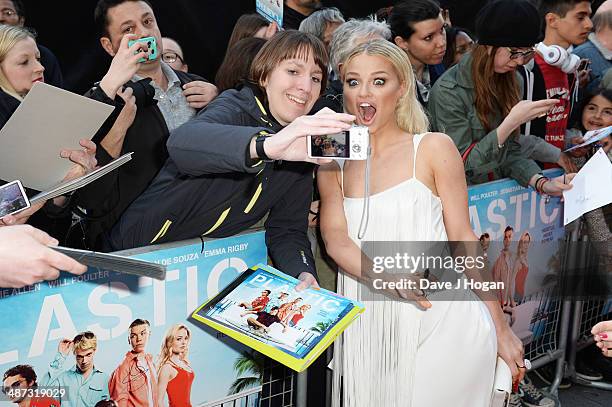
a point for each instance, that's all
(262, 309)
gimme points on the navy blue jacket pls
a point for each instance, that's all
(209, 187)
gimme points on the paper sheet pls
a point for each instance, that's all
(592, 188)
(48, 120)
(592, 136)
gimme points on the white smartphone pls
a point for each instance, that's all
(12, 198)
(348, 145)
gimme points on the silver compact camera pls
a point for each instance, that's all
(348, 145)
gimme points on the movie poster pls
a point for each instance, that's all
(521, 232)
(102, 304)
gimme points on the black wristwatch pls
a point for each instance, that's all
(259, 148)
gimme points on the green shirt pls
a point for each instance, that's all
(451, 110)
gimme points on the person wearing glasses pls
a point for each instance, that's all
(478, 102)
(84, 384)
(134, 381)
(173, 55)
(17, 384)
(12, 12)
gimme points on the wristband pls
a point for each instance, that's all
(259, 148)
(540, 184)
(535, 184)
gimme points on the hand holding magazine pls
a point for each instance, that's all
(592, 136)
(262, 310)
(74, 184)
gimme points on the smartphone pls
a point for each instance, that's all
(348, 145)
(584, 64)
(12, 198)
(151, 45)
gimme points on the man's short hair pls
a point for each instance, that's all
(85, 341)
(316, 23)
(508, 228)
(406, 14)
(268, 291)
(101, 14)
(273, 308)
(484, 236)
(558, 7)
(138, 322)
(25, 371)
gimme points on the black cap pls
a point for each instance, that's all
(508, 23)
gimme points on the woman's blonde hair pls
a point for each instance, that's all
(523, 246)
(9, 36)
(166, 349)
(409, 113)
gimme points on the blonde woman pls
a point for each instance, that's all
(399, 352)
(175, 374)
(20, 69)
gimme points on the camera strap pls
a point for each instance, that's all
(365, 213)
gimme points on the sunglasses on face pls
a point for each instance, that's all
(171, 57)
(516, 54)
(86, 335)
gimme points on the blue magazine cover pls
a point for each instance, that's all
(266, 307)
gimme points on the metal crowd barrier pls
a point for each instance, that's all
(586, 313)
(246, 398)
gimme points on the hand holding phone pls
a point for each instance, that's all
(151, 48)
(12, 199)
(584, 64)
(124, 65)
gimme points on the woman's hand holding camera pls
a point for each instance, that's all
(124, 65)
(291, 143)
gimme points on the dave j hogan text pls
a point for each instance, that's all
(424, 284)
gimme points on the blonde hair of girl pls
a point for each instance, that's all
(166, 349)
(9, 36)
(409, 113)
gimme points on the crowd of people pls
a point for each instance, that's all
(446, 107)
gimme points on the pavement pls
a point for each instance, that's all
(581, 396)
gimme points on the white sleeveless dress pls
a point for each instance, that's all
(396, 355)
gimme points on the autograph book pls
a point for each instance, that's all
(262, 310)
